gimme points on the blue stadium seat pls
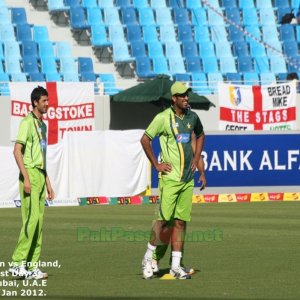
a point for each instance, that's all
(290, 48)
(191, 4)
(193, 64)
(70, 77)
(46, 50)
(160, 65)
(264, 4)
(214, 3)
(37, 77)
(5, 17)
(109, 83)
(29, 48)
(40, 34)
(155, 49)
(106, 3)
(77, 18)
(94, 16)
(53, 77)
(167, 33)
(23, 32)
(246, 4)
(223, 49)
(199, 16)
(233, 14)
(257, 49)
(7, 33)
(199, 83)
(128, 16)
(281, 3)
(278, 65)
(88, 77)
(12, 65)
(176, 65)
(163, 17)
(233, 78)
(229, 3)
(18, 77)
(218, 33)
(227, 65)
(63, 49)
(143, 67)
(57, 6)
(244, 64)
(207, 49)
(158, 3)
(281, 11)
(150, 34)
(176, 3)
(250, 16)
(18, 15)
(116, 33)
(215, 19)
(250, 78)
(269, 33)
(210, 64)
(121, 53)
(295, 4)
(181, 16)
(185, 33)
(134, 33)
(190, 49)
(277, 48)
(281, 77)
(287, 32)
(254, 30)
(183, 77)
(213, 80)
(201, 34)
(140, 3)
(267, 78)
(138, 49)
(235, 34)
(267, 16)
(1, 55)
(72, 3)
(48, 65)
(89, 4)
(173, 49)
(99, 36)
(30, 65)
(12, 49)
(85, 65)
(111, 16)
(123, 3)
(298, 33)
(67, 65)
(241, 48)
(146, 16)
(261, 64)
(4, 87)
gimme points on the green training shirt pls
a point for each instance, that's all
(33, 136)
(175, 141)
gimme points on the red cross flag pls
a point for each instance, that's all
(271, 107)
(71, 107)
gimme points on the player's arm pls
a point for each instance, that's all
(147, 146)
(198, 149)
(200, 165)
(19, 159)
(50, 191)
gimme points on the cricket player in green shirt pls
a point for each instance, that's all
(175, 127)
(30, 154)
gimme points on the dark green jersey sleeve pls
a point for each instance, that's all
(198, 127)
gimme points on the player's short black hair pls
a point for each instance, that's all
(37, 93)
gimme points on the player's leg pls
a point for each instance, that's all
(181, 216)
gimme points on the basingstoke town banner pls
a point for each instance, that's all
(71, 107)
(271, 107)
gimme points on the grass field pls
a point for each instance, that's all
(257, 257)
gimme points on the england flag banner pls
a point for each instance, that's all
(71, 107)
(271, 107)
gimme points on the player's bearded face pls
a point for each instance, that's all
(182, 101)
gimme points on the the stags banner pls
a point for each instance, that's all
(271, 107)
(71, 107)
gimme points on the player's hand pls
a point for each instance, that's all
(194, 166)
(51, 194)
(203, 180)
(27, 186)
(164, 168)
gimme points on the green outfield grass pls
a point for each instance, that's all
(256, 257)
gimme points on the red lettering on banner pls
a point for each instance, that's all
(275, 196)
(19, 108)
(211, 198)
(76, 128)
(243, 197)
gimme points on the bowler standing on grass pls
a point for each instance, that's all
(30, 154)
(174, 126)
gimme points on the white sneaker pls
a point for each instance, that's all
(36, 274)
(179, 273)
(154, 265)
(18, 271)
(147, 268)
(188, 270)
